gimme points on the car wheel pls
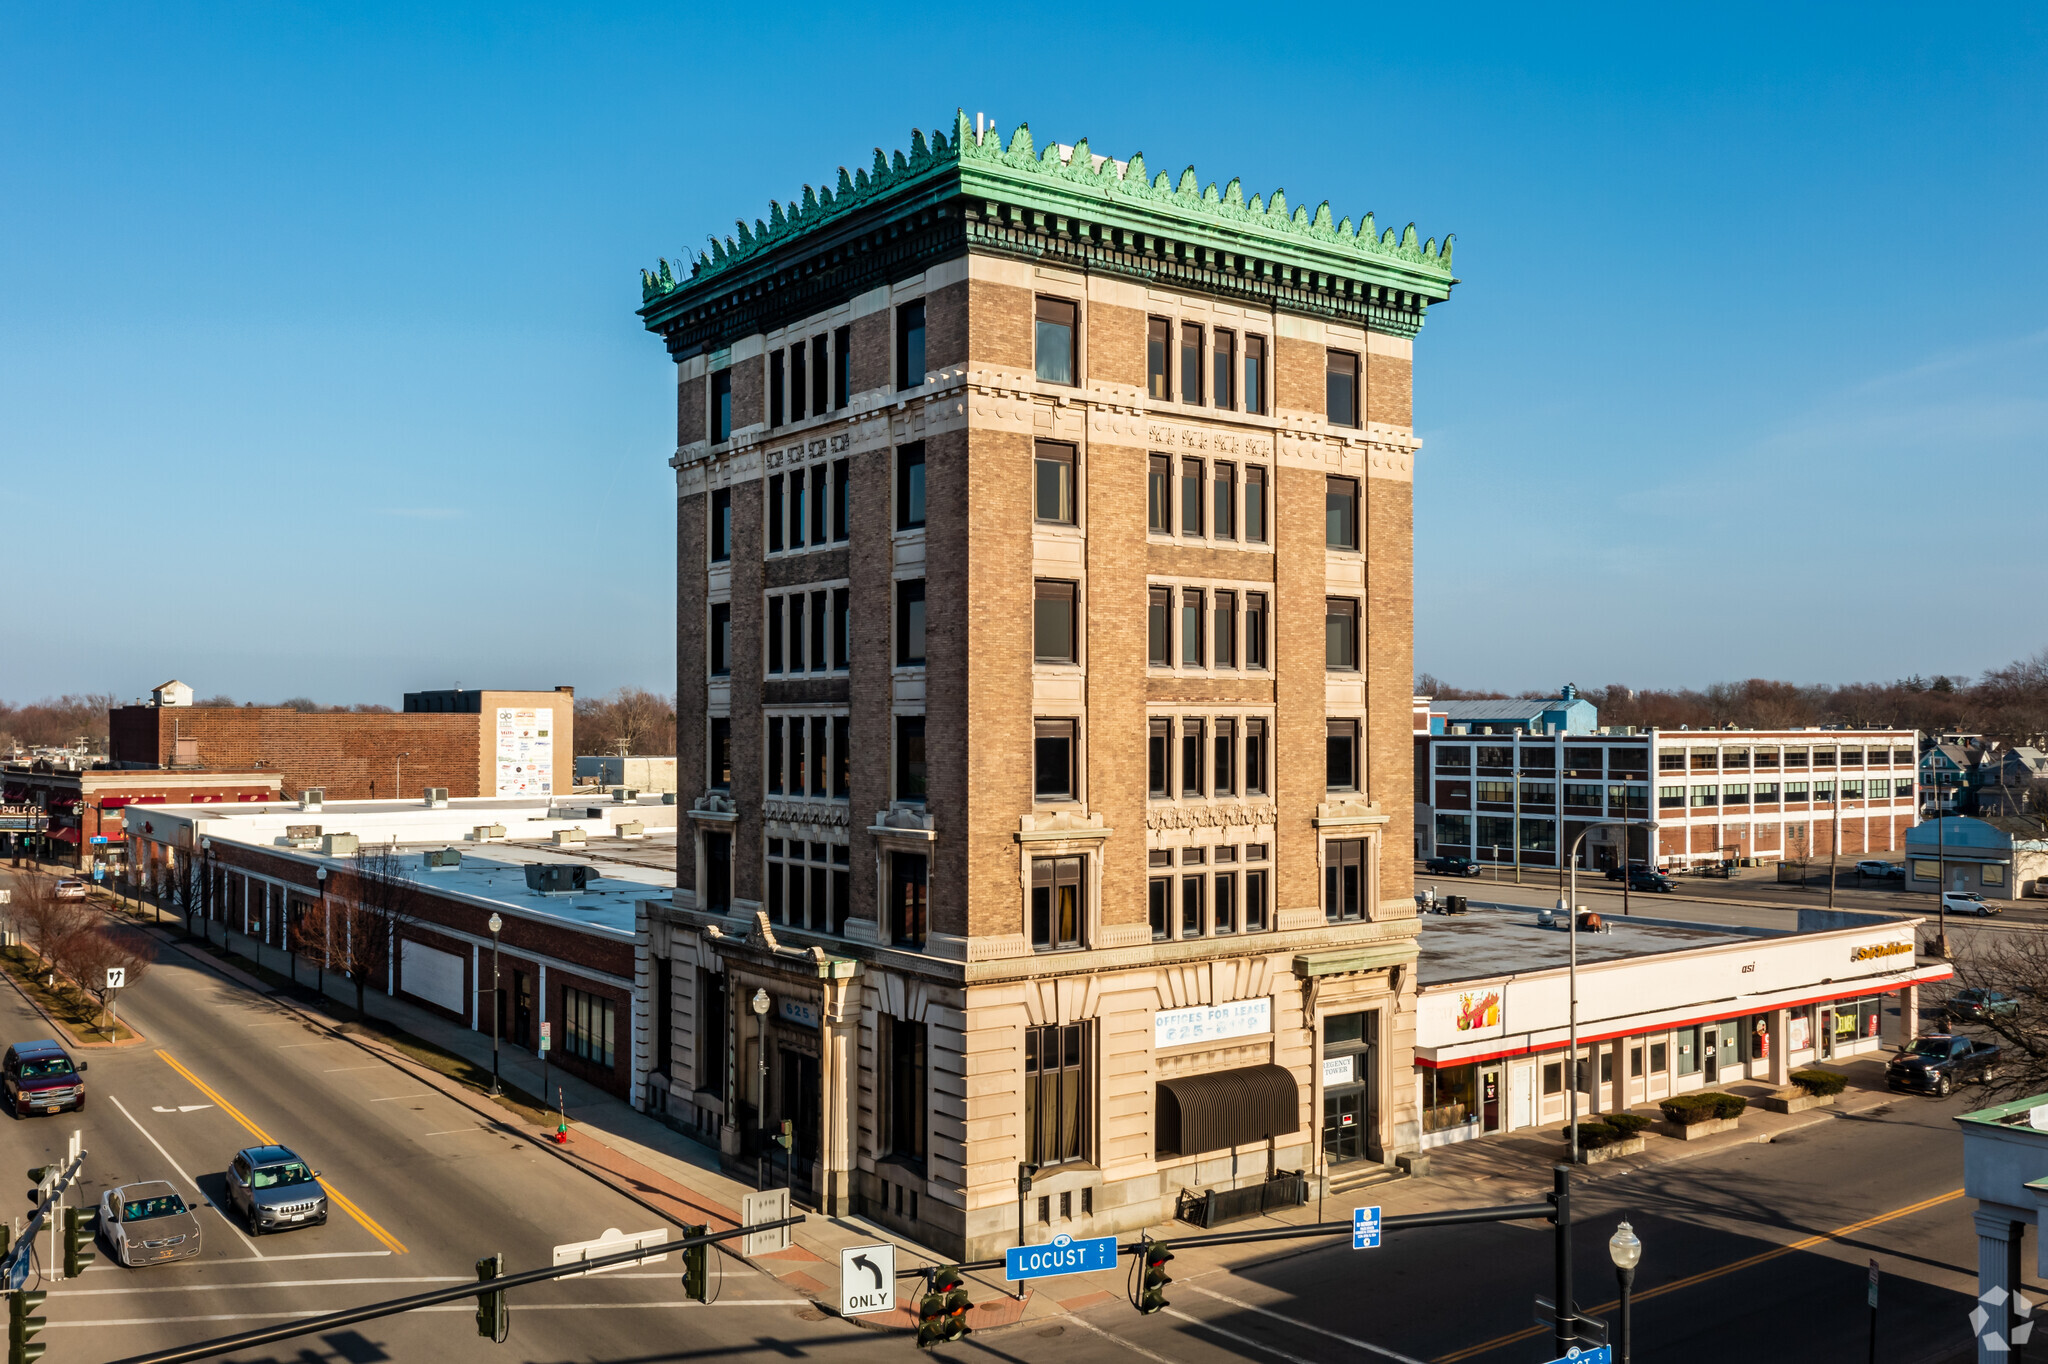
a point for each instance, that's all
(1942, 1087)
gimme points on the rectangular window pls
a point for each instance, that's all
(721, 526)
(1057, 320)
(719, 752)
(842, 498)
(1340, 634)
(798, 387)
(1341, 514)
(1223, 630)
(1688, 1040)
(1056, 1107)
(1054, 760)
(1191, 757)
(1255, 374)
(591, 1026)
(1159, 627)
(1191, 497)
(775, 755)
(842, 367)
(1191, 362)
(802, 659)
(1055, 491)
(907, 899)
(821, 376)
(1191, 654)
(721, 639)
(910, 345)
(1706, 795)
(1255, 504)
(799, 758)
(721, 406)
(910, 771)
(775, 634)
(1158, 344)
(774, 514)
(1055, 615)
(1159, 893)
(1222, 367)
(820, 778)
(1255, 629)
(1659, 1057)
(1344, 880)
(842, 628)
(1255, 757)
(1159, 495)
(820, 504)
(842, 758)
(1159, 759)
(775, 389)
(1055, 903)
(1343, 388)
(1254, 901)
(1223, 502)
(910, 623)
(910, 487)
(1670, 797)
(908, 1089)
(799, 504)
(1342, 756)
(1222, 766)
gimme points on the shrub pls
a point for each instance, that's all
(1628, 1124)
(1686, 1109)
(1728, 1105)
(1594, 1134)
(1820, 1082)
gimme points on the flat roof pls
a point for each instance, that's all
(1496, 942)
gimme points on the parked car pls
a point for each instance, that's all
(1967, 902)
(40, 1077)
(70, 888)
(1973, 1005)
(1937, 1064)
(1646, 878)
(148, 1224)
(275, 1190)
(1880, 867)
(1452, 866)
(1616, 873)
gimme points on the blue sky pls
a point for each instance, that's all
(320, 374)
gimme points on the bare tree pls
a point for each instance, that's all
(90, 953)
(353, 929)
(44, 920)
(182, 886)
(2015, 964)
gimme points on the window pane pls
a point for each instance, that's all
(721, 525)
(1255, 505)
(1159, 624)
(1160, 896)
(910, 487)
(910, 622)
(1055, 493)
(1158, 340)
(1340, 634)
(1254, 901)
(798, 383)
(1341, 531)
(1255, 374)
(775, 634)
(1224, 629)
(1222, 367)
(842, 367)
(1053, 622)
(1191, 758)
(774, 513)
(1159, 758)
(721, 406)
(910, 345)
(910, 768)
(1255, 630)
(1191, 497)
(1191, 628)
(1223, 502)
(1343, 389)
(1055, 340)
(1054, 753)
(1225, 911)
(1159, 495)
(1343, 755)
(1190, 362)
(1222, 770)
(1191, 906)
(1255, 757)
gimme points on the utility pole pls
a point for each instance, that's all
(1835, 844)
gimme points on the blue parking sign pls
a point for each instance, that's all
(1365, 1228)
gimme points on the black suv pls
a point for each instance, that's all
(41, 1078)
(1646, 878)
(1937, 1064)
(1452, 866)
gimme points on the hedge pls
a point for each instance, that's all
(1628, 1124)
(1594, 1134)
(1820, 1082)
(1686, 1109)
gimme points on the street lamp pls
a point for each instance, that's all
(760, 1007)
(1571, 910)
(1625, 1248)
(495, 925)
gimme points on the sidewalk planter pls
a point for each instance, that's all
(1606, 1136)
(1593, 1155)
(1810, 1089)
(1691, 1117)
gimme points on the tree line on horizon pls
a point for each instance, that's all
(2008, 704)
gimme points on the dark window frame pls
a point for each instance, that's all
(910, 486)
(1343, 389)
(913, 775)
(1049, 596)
(719, 393)
(1340, 512)
(1340, 643)
(1341, 736)
(1055, 759)
(721, 526)
(1159, 359)
(912, 644)
(1254, 388)
(1056, 315)
(910, 345)
(1048, 928)
(1062, 461)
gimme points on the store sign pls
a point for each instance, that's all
(1212, 1022)
(801, 1012)
(1340, 1070)
(1883, 949)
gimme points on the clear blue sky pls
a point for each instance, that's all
(319, 371)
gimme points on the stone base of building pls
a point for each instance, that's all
(1696, 1131)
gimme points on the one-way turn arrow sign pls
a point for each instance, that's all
(867, 1280)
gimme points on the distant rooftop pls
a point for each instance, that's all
(1495, 942)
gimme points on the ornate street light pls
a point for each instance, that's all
(1625, 1248)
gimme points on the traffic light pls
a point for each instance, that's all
(1152, 1296)
(942, 1315)
(696, 1266)
(20, 1326)
(77, 1243)
(493, 1317)
(40, 1177)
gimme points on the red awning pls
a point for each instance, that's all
(115, 802)
(64, 835)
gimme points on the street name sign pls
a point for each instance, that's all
(1062, 1255)
(611, 1243)
(765, 1205)
(1365, 1228)
(1599, 1354)
(547, 1034)
(867, 1280)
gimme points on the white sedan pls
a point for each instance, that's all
(148, 1224)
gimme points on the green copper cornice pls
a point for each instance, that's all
(1118, 204)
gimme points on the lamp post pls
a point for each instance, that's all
(1571, 910)
(759, 1003)
(1625, 1248)
(495, 925)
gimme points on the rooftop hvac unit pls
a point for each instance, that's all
(570, 838)
(339, 845)
(437, 797)
(668, 798)
(484, 833)
(632, 828)
(312, 798)
(625, 795)
(442, 859)
(556, 879)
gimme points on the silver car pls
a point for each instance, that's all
(148, 1224)
(274, 1189)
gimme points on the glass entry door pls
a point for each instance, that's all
(1710, 1054)
(1489, 1100)
(1344, 1125)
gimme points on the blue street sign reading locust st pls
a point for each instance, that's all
(1365, 1228)
(1602, 1355)
(1064, 1255)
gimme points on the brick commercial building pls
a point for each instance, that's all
(82, 811)
(470, 743)
(1044, 648)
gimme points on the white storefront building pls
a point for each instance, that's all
(1664, 1007)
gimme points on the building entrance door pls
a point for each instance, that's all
(801, 1105)
(1710, 1054)
(1344, 1125)
(1827, 1034)
(522, 1008)
(1522, 1095)
(1489, 1100)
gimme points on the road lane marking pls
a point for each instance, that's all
(1703, 1276)
(471, 1308)
(282, 1283)
(336, 1070)
(1243, 1340)
(321, 1043)
(394, 1098)
(368, 1223)
(187, 1178)
(181, 1108)
(1111, 1335)
(1352, 1341)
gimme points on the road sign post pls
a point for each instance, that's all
(1598, 1354)
(1873, 1312)
(867, 1280)
(1365, 1228)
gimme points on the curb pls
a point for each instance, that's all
(135, 1038)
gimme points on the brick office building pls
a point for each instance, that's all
(84, 810)
(1044, 649)
(472, 743)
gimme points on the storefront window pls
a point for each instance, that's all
(1799, 1028)
(1870, 1016)
(1759, 1038)
(1660, 1057)
(1688, 1050)
(1553, 1078)
(1449, 1096)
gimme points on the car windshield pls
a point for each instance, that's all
(142, 1209)
(1934, 1046)
(1969, 996)
(46, 1068)
(272, 1176)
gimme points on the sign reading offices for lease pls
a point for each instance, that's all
(1212, 1022)
(431, 974)
(526, 751)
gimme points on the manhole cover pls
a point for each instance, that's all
(1051, 1331)
(809, 1314)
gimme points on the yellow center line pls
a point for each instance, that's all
(346, 1204)
(1808, 1243)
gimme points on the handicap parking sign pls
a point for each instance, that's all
(1365, 1228)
